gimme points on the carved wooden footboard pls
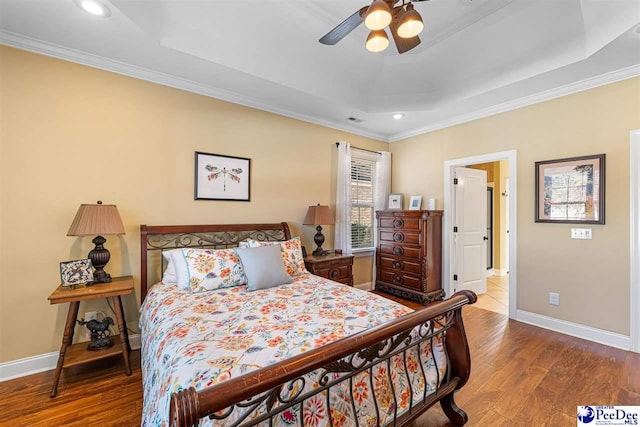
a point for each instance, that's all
(260, 396)
(279, 387)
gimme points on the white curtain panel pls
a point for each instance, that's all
(343, 199)
(382, 188)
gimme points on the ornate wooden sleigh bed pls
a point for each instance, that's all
(282, 390)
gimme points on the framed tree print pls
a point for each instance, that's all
(570, 190)
(221, 177)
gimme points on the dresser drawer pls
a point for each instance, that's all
(399, 265)
(408, 224)
(399, 278)
(395, 236)
(399, 250)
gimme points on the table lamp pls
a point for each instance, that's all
(318, 215)
(97, 219)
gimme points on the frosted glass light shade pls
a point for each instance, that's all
(377, 41)
(378, 15)
(410, 23)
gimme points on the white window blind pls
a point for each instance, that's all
(362, 206)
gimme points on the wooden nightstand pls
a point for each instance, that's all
(335, 267)
(71, 355)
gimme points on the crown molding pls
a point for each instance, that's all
(48, 49)
(569, 89)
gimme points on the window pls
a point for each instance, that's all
(362, 201)
(570, 194)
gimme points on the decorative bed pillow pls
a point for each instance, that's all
(173, 258)
(291, 254)
(264, 267)
(210, 269)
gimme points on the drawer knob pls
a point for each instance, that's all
(397, 264)
(398, 223)
(398, 237)
(397, 279)
(397, 250)
(334, 274)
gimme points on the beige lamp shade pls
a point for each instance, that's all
(96, 219)
(319, 215)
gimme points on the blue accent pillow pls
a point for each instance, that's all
(263, 267)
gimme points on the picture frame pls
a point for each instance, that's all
(76, 272)
(220, 177)
(395, 201)
(415, 203)
(571, 190)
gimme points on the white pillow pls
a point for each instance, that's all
(170, 274)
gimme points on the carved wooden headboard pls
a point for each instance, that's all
(157, 238)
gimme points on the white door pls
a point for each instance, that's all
(505, 243)
(470, 229)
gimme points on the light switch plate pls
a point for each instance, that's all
(581, 233)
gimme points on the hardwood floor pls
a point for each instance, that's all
(496, 298)
(521, 376)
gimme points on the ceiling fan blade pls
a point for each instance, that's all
(403, 45)
(345, 27)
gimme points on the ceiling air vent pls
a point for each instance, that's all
(354, 119)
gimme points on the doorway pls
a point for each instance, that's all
(508, 281)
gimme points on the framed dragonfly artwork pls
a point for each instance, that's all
(221, 177)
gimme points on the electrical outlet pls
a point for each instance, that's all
(554, 298)
(89, 315)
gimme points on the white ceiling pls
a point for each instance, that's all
(477, 57)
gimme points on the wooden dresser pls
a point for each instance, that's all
(409, 254)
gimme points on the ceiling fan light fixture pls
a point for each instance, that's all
(377, 41)
(378, 15)
(410, 23)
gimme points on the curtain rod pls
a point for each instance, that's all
(358, 148)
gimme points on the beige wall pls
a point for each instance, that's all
(71, 134)
(591, 276)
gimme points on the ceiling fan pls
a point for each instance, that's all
(402, 19)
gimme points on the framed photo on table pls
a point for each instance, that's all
(221, 177)
(570, 190)
(76, 272)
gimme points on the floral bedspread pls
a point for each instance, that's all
(202, 339)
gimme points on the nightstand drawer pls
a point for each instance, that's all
(338, 273)
(338, 268)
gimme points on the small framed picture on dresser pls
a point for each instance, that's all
(395, 202)
(416, 203)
